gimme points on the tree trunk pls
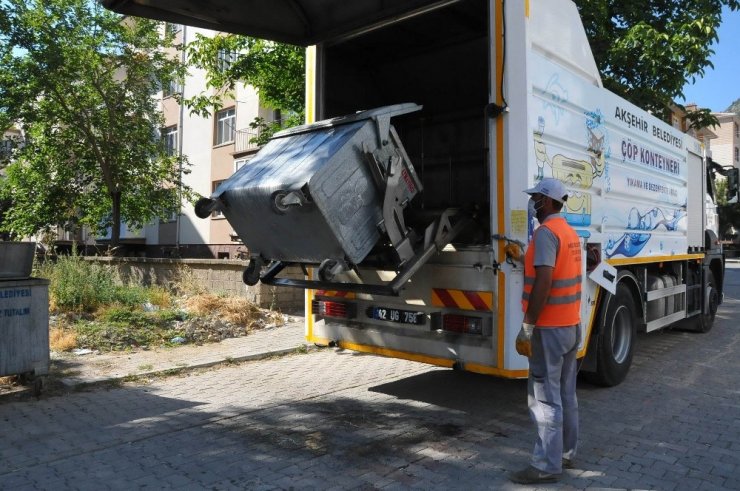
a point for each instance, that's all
(115, 231)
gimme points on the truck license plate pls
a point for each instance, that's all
(397, 315)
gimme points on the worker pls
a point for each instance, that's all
(550, 333)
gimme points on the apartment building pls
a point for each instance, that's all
(726, 147)
(215, 147)
(680, 122)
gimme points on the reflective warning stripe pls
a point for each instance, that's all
(335, 293)
(462, 299)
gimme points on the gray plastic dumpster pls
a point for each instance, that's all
(316, 192)
(24, 315)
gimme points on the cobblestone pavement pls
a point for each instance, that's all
(340, 420)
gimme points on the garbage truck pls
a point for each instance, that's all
(402, 197)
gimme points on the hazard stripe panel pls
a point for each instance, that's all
(334, 293)
(462, 299)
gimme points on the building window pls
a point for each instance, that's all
(169, 135)
(238, 164)
(214, 186)
(173, 28)
(737, 130)
(225, 126)
(737, 154)
(225, 59)
(172, 87)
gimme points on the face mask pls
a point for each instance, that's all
(533, 208)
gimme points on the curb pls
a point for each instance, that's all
(73, 383)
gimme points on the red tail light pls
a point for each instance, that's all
(326, 308)
(462, 323)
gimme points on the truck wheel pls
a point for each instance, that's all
(705, 321)
(616, 341)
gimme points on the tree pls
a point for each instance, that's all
(80, 82)
(647, 50)
(276, 70)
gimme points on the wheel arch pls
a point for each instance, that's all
(717, 268)
(627, 277)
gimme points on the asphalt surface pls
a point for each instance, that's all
(332, 419)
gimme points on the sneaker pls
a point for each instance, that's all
(531, 475)
(568, 464)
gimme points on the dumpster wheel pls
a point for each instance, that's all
(35, 382)
(251, 274)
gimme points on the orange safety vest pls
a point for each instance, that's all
(563, 307)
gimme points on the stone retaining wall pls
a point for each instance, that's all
(217, 275)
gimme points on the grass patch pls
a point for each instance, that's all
(92, 308)
(62, 339)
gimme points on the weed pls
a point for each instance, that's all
(145, 367)
(96, 310)
(159, 296)
(130, 295)
(77, 285)
(62, 339)
(236, 310)
(187, 282)
(125, 315)
(171, 315)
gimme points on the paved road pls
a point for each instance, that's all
(333, 419)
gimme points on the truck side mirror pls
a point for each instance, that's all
(732, 183)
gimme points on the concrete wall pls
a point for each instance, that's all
(217, 276)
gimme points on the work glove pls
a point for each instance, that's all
(524, 340)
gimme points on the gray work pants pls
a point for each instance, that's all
(552, 396)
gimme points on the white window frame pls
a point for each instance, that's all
(238, 164)
(214, 185)
(225, 131)
(170, 136)
(225, 59)
(173, 28)
(171, 88)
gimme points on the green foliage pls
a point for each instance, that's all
(77, 285)
(647, 50)
(131, 295)
(125, 315)
(113, 315)
(171, 315)
(265, 129)
(131, 330)
(276, 70)
(79, 80)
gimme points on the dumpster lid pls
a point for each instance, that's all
(381, 115)
(298, 22)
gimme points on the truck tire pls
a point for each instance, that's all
(616, 340)
(704, 321)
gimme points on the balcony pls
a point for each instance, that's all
(243, 141)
